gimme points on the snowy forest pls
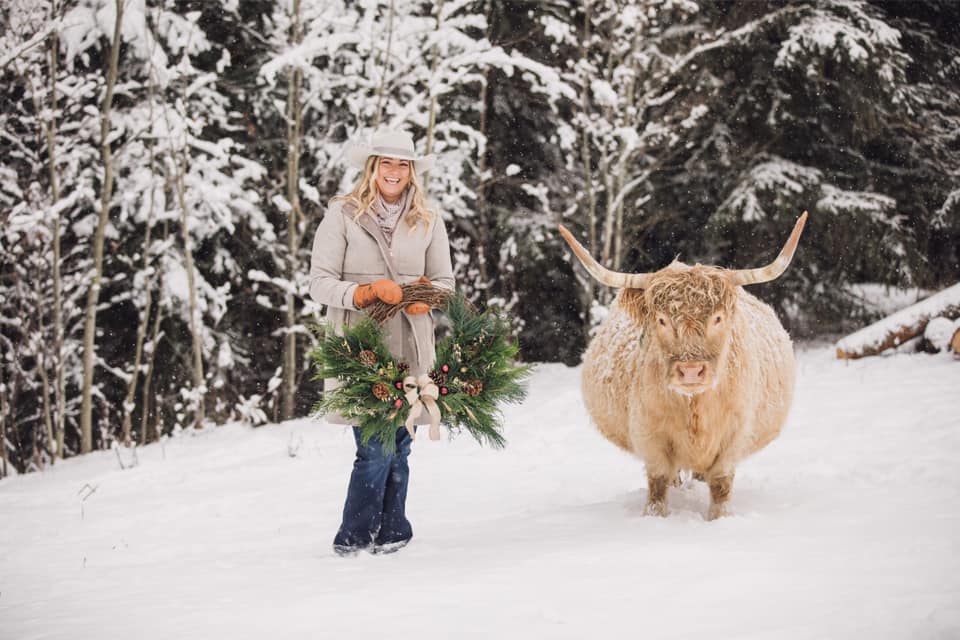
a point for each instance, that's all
(164, 164)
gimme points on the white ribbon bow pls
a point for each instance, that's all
(422, 393)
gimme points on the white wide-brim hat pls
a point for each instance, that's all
(389, 144)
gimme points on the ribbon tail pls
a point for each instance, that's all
(434, 412)
(411, 417)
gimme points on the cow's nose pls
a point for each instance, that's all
(692, 372)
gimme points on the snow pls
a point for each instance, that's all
(838, 201)
(940, 331)
(856, 35)
(846, 526)
(885, 299)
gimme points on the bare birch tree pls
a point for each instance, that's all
(382, 87)
(585, 149)
(150, 350)
(106, 194)
(151, 273)
(178, 162)
(294, 219)
(143, 322)
(53, 53)
(3, 425)
(434, 66)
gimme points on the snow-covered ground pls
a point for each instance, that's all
(848, 526)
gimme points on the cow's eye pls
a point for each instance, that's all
(717, 319)
(662, 322)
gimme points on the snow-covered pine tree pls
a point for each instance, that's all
(303, 90)
(810, 105)
(520, 168)
(618, 54)
(46, 191)
(210, 196)
(435, 79)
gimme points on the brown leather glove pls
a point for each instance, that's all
(418, 308)
(384, 289)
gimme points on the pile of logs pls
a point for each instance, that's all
(936, 320)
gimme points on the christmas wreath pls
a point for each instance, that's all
(473, 374)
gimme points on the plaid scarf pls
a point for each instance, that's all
(389, 214)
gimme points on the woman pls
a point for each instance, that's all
(372, 240)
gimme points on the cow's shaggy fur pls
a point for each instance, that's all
(632, 392)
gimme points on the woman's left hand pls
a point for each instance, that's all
(418, 308)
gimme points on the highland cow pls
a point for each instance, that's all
(689, 372)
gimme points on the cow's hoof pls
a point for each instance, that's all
(655, 509)
(717, 511)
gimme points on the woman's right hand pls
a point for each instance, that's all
(384, 289)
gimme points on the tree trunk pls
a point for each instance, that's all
(382, 88)
(903, 325)
(145, 396)
(294, 126)
(58, 332)
(143, 320)
(432, 115)
(43, 348)
(608, 180)
(3, 424)
(47, 418)
(106, 192)
(482, 217)
(179, 159)
(198, 382)
(586, 159)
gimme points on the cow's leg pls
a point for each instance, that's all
(721, 485)
(656, 494)
(661, 472)
(658, 455)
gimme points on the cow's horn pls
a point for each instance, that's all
(601, 273)
(775, 268)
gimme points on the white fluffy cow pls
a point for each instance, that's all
(689, 371)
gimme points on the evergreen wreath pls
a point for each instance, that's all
(474, 371)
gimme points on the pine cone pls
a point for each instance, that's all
(472, 387)
(438, 377)
(381, 391)
(368, 357)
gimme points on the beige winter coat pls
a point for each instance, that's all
(348, 251)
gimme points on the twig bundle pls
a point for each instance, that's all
(436, 297)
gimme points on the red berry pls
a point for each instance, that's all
(444, 391)
(445, 368)
(398, 402)
(399, 385)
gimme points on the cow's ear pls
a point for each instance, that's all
(634, 303)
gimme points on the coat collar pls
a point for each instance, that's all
(368, 224)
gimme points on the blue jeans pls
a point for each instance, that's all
(375, 509)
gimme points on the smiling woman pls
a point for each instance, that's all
(393, 176)
(381, 235)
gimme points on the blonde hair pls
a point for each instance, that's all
(365, 193)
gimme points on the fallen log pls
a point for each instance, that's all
(903, 325)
